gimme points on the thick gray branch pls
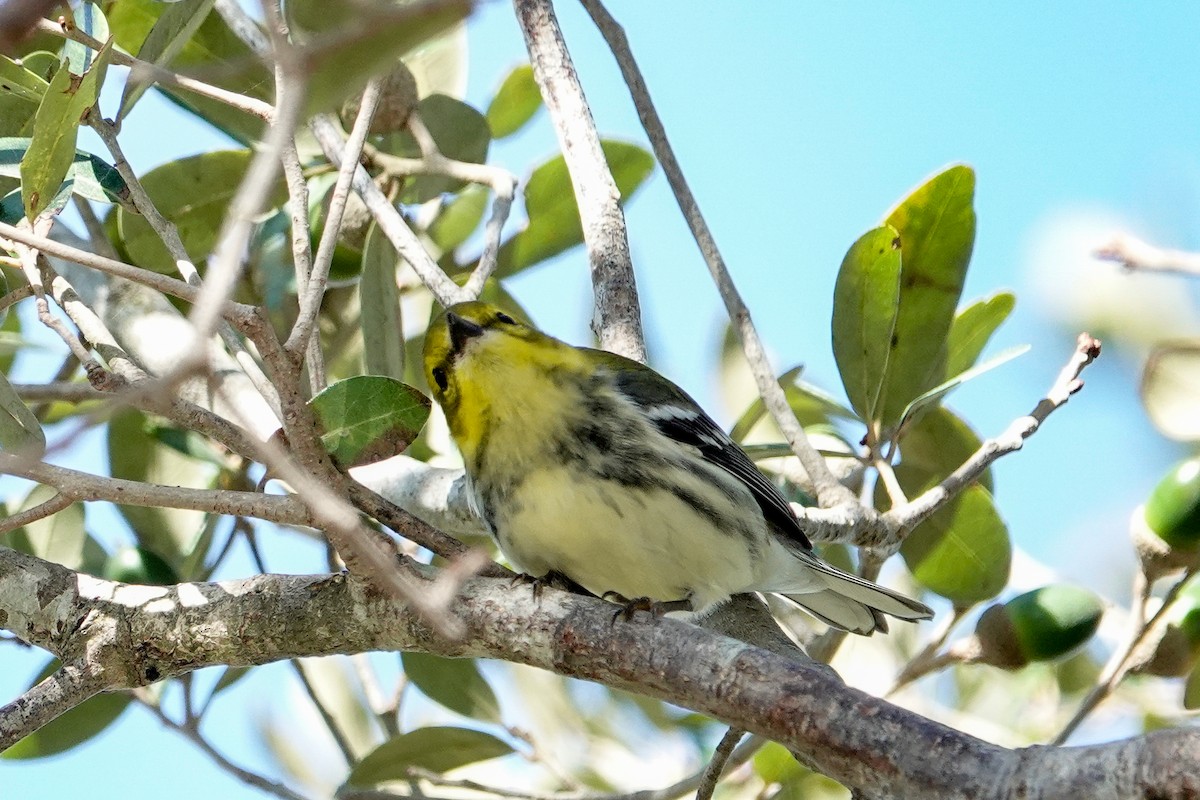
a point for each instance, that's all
(618, 318)
(135, 635)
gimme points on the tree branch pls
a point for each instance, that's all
(82, 486)
(617, 322)
(236, 313)
(1068, 383)
(861, 741)
(390, 222)
(54, 696)
(145, 71)
(829, 491)
(1137, 255)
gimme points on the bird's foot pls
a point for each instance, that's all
(552, 579)
(656, 608)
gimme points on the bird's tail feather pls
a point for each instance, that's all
(853, 603)
(840, 611)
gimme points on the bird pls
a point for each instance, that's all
(592, 467)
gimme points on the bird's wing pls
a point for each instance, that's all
(680, 418)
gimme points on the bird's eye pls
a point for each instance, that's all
(505, 318)
(439, 377)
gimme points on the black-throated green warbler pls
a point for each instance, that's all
(595, 467)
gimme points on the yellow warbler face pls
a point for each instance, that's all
(476, 355)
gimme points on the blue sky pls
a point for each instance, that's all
(798, 126)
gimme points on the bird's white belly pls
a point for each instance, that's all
(609, 538)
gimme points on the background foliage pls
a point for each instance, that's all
(903, 339)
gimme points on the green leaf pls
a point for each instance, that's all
(553, 211)
(194, 193)
(59, 538)
(12, 210)
(72, 728)
(168, 36)
(866, 298)
(135, 453)
(379, 302)
(230, 676)
(55, 127)
(811, 404)
(347, 263)
(437, 749)
(962, 552)
(20, 431)
(459, 131)
(21, 83)
(937, 232)
(1191, 689)
(973, 327)
(774, 764)
(140, 566)
(456, 683)
(1170, 389)
(89, 19)
(459, 218)
(89, 176)
(933, 447)
(343, 71)
(935, 394)
(11, 341)
(369, 418)
(515, 103)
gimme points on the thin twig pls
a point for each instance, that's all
(145, 71)
(30, 266)
(335, 730)
(1137, 255)
(928, 660)
(331, 724)
(830, 492)
(97, 237)
(193, 735)
(617, 321)
(328, 135)
(91, 327)
(162, 227)
(234, 312)
(502, 183)
(75, 485)
(1119, 665)
(323, 491)
(42, 510)
(297, 186)
(383, 708)
(389, 220)
(1068, 383)
(248, 201)
(740, 755)
(314, 287)
(14, 296)
(69, 685)
(711, 775)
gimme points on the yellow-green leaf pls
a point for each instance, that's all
(515, 103)
(865, 302)
(456, 683)
(936, 223)
(553, 211)
(55, 129)
(437, 749)
(963, 551)
(369, 418)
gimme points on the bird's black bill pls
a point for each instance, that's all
(461, 330)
